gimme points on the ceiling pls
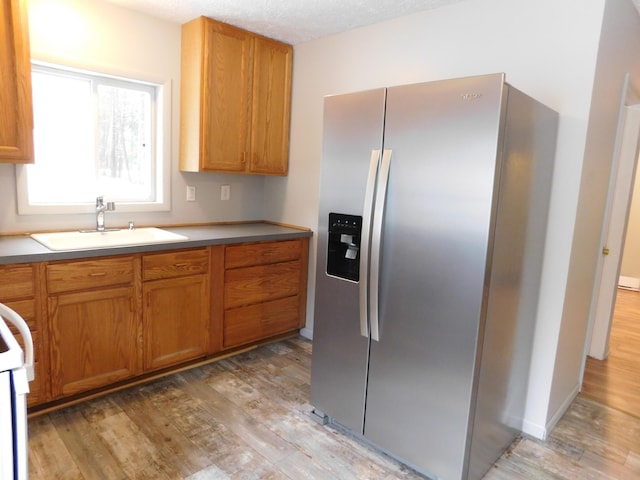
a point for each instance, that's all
(290, 21)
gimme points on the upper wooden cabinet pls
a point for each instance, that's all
(235, 100)
(16, 117)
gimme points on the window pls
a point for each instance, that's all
(94, 135)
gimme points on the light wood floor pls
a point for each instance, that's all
(616, 381)
(247, 417)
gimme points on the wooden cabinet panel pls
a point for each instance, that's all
(176, 324)
(27, 309)
(265, 287)
(216, 298)
(175, 320)
(215, 96)
(272, 64)
(247, 255)
(261, 320)
(94, 339)
(17, 281)
(175, 264)
(226, 88)
(19, 291)
(86, 274)
(235, 100)
(16, 119)
(245, 286)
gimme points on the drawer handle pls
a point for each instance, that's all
(97, 274)
(183, 264)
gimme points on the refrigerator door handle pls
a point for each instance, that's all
(376, 239)
(365, 241)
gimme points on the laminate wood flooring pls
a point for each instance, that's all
(247, 417)
(616, 381)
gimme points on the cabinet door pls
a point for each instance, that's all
(271, 104)
(226, 86)
(38, 387)
(94, 339)
(261, 320)
(16, 119)
(176, 320)
(19, 291)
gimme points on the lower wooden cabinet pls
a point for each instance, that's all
(264, 290)
(100, 321)
(19, 290)
(94, 322)
(94, 339)
(175, 308)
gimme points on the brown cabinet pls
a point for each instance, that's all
(176, 307)
(110, 320)
(19, 287)
(16, 117)
(264, 290)
(235, 100)
(94, 323)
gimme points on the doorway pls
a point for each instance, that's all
(611, 368)
(616, 220)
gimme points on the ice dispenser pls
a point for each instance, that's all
(343, 256)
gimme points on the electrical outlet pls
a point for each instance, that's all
(225, 192)
(191, 193)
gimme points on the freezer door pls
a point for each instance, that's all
(352, 130)
(437, 227)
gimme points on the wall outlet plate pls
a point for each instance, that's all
(225, 192)
(191, 193)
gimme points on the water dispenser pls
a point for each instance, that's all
(343, 255)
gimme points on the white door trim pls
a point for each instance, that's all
(614, 229)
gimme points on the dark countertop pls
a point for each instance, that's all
(24, 249)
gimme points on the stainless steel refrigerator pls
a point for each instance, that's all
(432, 220)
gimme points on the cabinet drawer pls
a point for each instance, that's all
(16, 281)
(70, 276)
(245, 286)
(175, 264)
(262, 253)
(255, 322)
(27, 310)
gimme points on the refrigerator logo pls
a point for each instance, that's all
(471, 96)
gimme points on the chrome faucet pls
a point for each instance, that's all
(100, 209)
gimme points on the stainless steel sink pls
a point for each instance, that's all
(81, 240)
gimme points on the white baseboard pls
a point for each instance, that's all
(632, 283)
(307, 333)
(541, 431)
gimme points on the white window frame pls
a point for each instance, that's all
(162, 140)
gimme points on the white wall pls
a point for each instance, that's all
(619, 53)
(631, 255)
(547, 48)
(100, 34)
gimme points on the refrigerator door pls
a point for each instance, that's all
(438, 223)
(353, 126)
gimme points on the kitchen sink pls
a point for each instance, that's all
(88, 240)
